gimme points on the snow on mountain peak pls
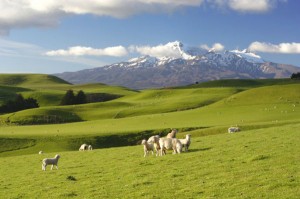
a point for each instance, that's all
(249, 56)
(167, 53)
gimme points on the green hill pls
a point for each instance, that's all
(260, 161)
(243, 83)
(31, 80)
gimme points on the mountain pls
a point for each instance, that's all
(182, 66)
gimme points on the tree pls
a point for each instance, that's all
(80, 98)
(31, 103)
(69, 98)
(19, 103)
(295, 75)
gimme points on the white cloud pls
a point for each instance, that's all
(47, 13)
(116, 51)
(215, 47)
(158, 51)
(285, 48)
(246, 6)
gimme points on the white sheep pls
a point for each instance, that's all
(233, 129)
(169, 143)
(172, 134)
(186, 142)
(90, 147)
(147, 147)
(155, 141)
(41, 152)
(52, 161)
(83, 147)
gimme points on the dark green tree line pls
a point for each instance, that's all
(18, 104)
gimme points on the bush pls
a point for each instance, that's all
(70, 98)
(18, 104)
(295, 75)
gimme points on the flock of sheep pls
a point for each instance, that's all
(154, 143)
(170, 142)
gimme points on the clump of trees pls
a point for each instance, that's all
(295, 75)
(18, 104)
(70, 98)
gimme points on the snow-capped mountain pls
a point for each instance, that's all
(181, 66)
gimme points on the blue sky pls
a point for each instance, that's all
(53, 36)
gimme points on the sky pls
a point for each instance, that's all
(54, 36)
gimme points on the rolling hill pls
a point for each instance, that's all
(261, 161)
(209, 107)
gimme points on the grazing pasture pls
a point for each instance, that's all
(260, 161)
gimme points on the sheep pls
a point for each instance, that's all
(83, 147)
(233, 129)
(169, 143)
(186, 142)
(41, 152)
(172, 134)
(155, 141)
(52, 161)
(147, 147)
(90, 147)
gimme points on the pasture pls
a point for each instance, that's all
(261, 161)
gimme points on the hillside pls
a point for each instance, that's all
(208, 108)
(31, 80)
(48, 89)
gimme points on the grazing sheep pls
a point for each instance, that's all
(52, 161)
(169, 143)
(147, 147)
(172, 134)
(233, 129)
(155, 141)
(186, 142)
(41, 152)
(83, 147)
(90, 147)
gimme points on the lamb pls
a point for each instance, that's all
(169, 143)
(52, 161)
(233, 129)
(155, 141)
(41, 152)
(172, 134)
(147, 147)
(186, 142)
(83, 147)
(90, 147)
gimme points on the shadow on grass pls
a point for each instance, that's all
(201, 149)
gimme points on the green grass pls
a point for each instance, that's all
(251, 164)
(243, 83)
(261, 161)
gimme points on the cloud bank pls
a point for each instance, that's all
(215, 47)
(285, 48)
(48, 13)
(116, 51)
(246, 6)
(157, 51)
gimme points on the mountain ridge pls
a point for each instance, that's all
(182, 66)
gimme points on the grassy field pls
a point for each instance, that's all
(252, 164)
(259, 162)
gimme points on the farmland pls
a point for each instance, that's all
(259, 162)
